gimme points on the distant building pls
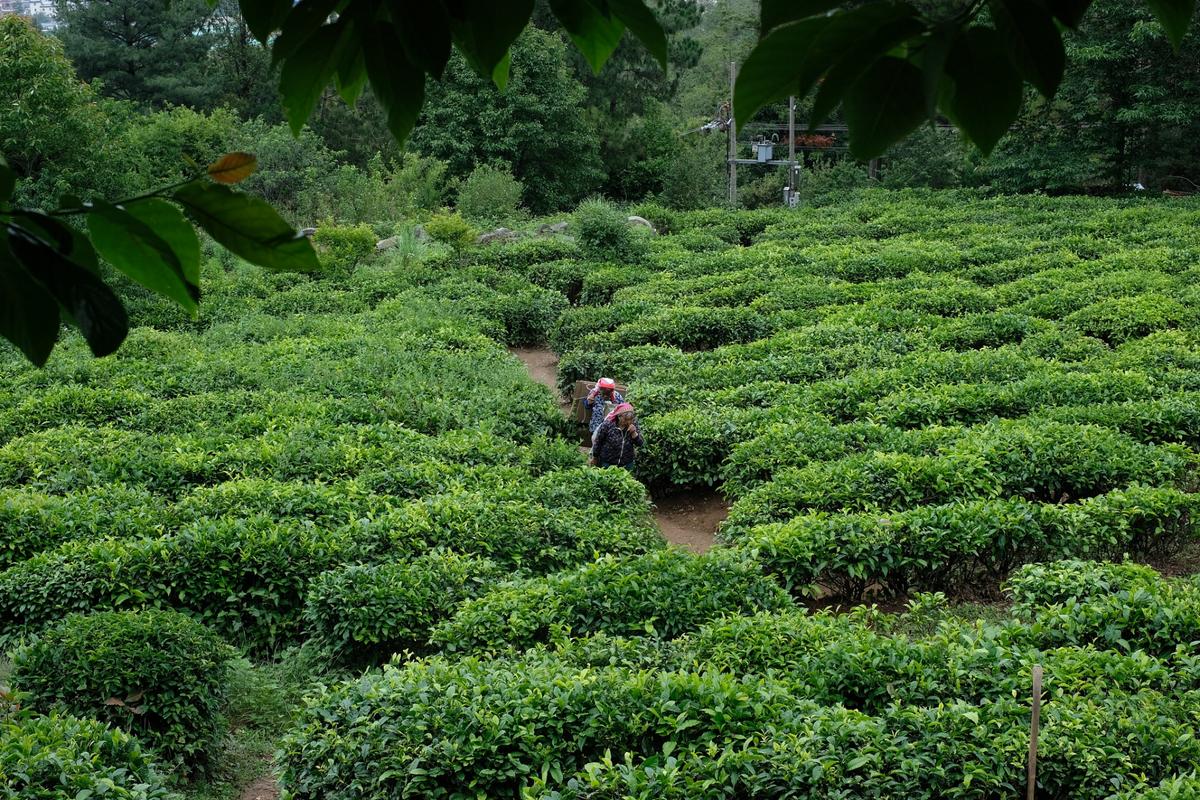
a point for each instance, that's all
(42, 11)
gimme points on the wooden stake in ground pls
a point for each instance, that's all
(1034, 721)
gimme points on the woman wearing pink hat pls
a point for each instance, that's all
(616, 441)
(605, 392)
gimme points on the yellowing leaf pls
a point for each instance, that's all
(232, 167)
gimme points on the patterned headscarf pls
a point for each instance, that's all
(618, 411)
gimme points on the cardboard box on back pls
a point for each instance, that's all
(579, 411)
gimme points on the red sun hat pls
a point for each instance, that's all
(618, 411)
(606, 383)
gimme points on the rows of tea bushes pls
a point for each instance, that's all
(905, 393)
(901, 394)
(328, 461)
(914, 390)
(784, 703)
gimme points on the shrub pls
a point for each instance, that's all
(58, 756)
(501, 723)
(966, 546)
(1116, 320)
(157, 674)
(490, 195)
(450, 229)
(33, 521)
(1044, 462)
(244, 578)
(663, 594)
(343, 247)
(832, 752)
(604, 234)
(363, 614)
(1081, 581)
(560, 520)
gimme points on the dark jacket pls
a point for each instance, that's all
(611, 445)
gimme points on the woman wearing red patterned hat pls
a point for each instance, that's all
(598, 399)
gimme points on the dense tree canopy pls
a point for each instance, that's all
(52, 130)
(143, 50)
(534, 125)
(1125, 111)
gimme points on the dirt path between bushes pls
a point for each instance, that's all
(264, 788)
(542, 365)
(688, 519)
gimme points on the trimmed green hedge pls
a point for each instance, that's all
(245, 579)
(1046, 462)
(1092, 747)
(661, 594)
(157, 674)
(364, 613)
(442, 730)
(963, 546)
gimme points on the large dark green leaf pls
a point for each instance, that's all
(28, 314)
(247, 226)
(484, 30)
(70, 241)
(791, 58)
(644, 25)
(595, 32)
(1033, 42)
(302, 22)
(500, 73)
(933, 56)
(350, 77)
(307, 72)
(1068, 12)
(140, 245)
(774, 13)
(169, 223)
(1174, 16)
(883, 106)
(399, 86)
(93, 307)
(424, 30)
(264, 17)
(983, 95)
(8, 182)
(855, 61)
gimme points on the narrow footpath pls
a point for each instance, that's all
(689, 518)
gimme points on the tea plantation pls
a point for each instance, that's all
(982, 409)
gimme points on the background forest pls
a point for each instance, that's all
(140, 81)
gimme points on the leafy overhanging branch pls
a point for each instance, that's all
(50, 268)
(972, 66)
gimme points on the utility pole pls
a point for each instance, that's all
(791, 181)
(732, 139)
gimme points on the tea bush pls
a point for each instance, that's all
(450, 229)
(661, 594)
(157, 674)
(605, 235)
(342, 248)
(489, 195)
(373, 735)
(364, 613)
(244, 579)
(61, 756)
(964, 544)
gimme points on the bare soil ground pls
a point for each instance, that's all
(264, 788)
(689, 519)
(543, 368)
